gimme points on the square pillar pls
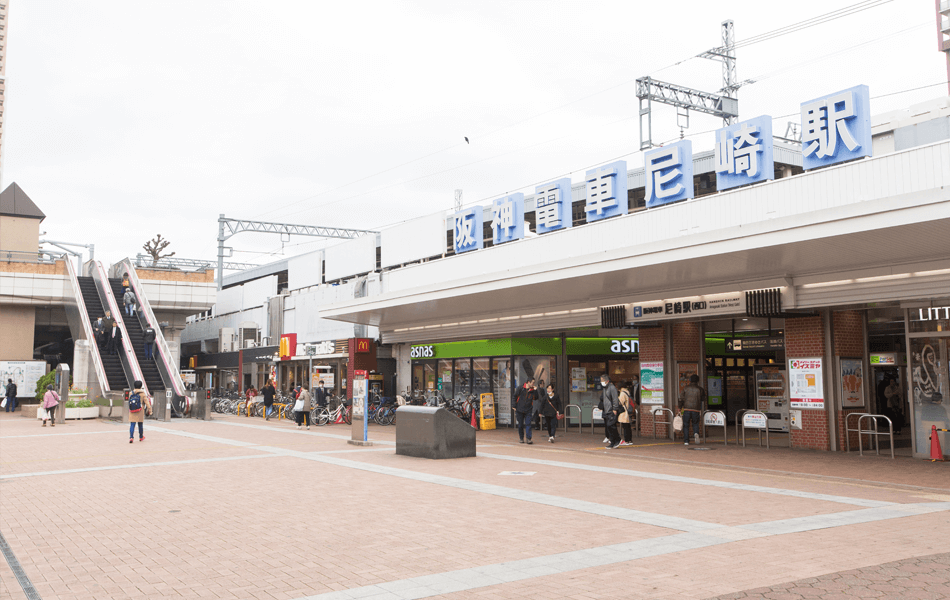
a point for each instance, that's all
(849, 341)
(652, 349)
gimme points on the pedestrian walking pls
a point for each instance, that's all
(611, 403)
(9, 393)
(302, 407)
(626, 407)
(524, 410)
(551, 409)
(268, 391)
(691, 406)
(115, 339)
(139, 405)
(128, 298)
(540, 388)
(148, 338)
(50, 402)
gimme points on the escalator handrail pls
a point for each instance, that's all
(117, 315)
(87, 328)
(146, 310)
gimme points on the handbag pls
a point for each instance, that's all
(298, 405)
(678, 423)
(4, 403)
(560, 416)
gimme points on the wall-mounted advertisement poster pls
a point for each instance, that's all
(651, 383)
(805, 386)
(851, 374)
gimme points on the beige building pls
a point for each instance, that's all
(20, 222)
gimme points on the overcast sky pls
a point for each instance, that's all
(127, 119)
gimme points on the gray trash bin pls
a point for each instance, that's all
(429, 432)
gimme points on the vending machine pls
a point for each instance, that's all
(771, 395)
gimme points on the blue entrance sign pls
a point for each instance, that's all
(507, 222)
(836, 128)
(606, 191)
(552, 205)
(744, 153)
(669, 173)
(467, 230)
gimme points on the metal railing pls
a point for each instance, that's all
(758, 429)
(568, 417)
(105, 293)
(85, 326)
(44, 257)
(657, 422)
(725, 425)
(178, 385)
(873, 433)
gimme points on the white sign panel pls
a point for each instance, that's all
(805, 386)
(352, 257)
(695, 306)
(413, 240)
(755, 421)
(714, 419)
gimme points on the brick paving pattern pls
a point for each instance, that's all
(240, 508)
(921, 578)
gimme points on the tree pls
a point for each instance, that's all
(155, 247)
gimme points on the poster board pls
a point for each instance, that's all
(651, 383)
(24, 373)
(805, 386)
(503, 395)
(579, 379)
(684, 371)
(851, 382)
(714, 390)
(486, 419)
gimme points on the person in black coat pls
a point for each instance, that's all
(269, 392)
(525, 398)
(551, 408)
(320, 394)
(149, 339)
(114, 339)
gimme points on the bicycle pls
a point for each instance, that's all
(321, 415)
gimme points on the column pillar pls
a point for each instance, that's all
(652, 349)
(805, 338)
(849, 342)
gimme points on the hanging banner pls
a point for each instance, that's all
(805, 386)
(851, 380)
(651, 383)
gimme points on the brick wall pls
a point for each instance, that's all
(687, 345)
(805, 338)
(849, 343)
(652, 349)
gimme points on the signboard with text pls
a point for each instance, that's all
(651, 383)
(695, 306)
(755, 344)
(805, 385)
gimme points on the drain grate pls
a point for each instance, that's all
(18, 571)
(701, 448)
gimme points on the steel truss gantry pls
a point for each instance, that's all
(144, 260)
(228, 228)
(721, 104)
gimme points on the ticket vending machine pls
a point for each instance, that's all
(771, 395)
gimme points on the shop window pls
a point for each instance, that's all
(623, 371)
(443, 374)
(929, 387)
(462, 379)
(501, 387)
(540, 368)
(481, 376)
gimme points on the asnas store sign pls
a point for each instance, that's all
(624, 346)
(422, 352)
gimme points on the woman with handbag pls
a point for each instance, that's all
(302, 407)
(50, 402)
(551, 409)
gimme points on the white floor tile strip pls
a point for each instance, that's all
(134, 466)
(51, 434)
(693, 481)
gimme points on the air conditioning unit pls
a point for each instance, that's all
(250, 344)
(226, 340)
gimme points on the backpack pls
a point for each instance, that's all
(135, 402)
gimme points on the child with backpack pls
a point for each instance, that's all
(139, 406)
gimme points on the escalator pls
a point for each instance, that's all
(150, 373)
(111, 364)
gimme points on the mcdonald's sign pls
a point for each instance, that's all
(363, 344)
(288, 346)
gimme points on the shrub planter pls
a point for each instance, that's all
(89, 412)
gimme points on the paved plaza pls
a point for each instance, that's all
(241, 508)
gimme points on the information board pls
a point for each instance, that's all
(806, 389)
(754, 421)
(504, 405)
(487, 418)
(651, 383)
(24, 373)
(714, 390)
(851, 380)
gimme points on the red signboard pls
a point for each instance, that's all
(363, 344)
(288, 346)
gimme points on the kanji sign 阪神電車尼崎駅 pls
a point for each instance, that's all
(467, 230)
(744, 153)
(606, 191)
(669, 173)
(836, 128)
(507, 223)
(552, 205)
